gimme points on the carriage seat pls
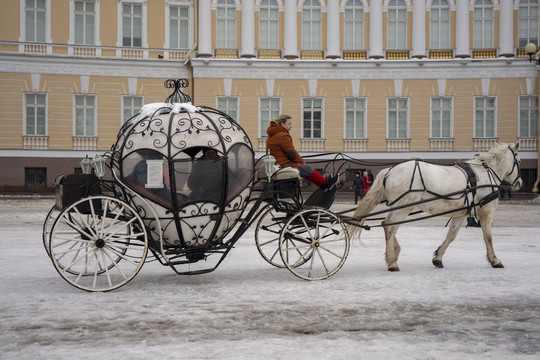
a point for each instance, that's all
(280, 173)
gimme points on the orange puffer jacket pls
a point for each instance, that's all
(279, 142)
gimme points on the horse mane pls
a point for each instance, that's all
(495, 157)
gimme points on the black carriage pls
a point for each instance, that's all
(182, 183)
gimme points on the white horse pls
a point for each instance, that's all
(413, 182)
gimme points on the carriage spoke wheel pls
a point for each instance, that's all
(314, 244)
(267, 234)
(98, 243)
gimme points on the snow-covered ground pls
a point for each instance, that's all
(248, 309)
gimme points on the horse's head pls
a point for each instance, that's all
(512, 171)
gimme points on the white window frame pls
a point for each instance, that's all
(226, 43)
(356, 22)
(479, 25)
(25, 114)
(271, 111)
(75, 108)
(315, 25)
(397, 40)
(356, 110)
(435, 17)
(144, 29)
(227, 109)
(528, 20)
(484, 109)
(22, 24)
(272, 36)
(97, 21)
(312, 110)
(531, 120)
(440, 109)
(398, 111)
(133, 110)
(167, 22)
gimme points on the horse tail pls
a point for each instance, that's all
(368, 203)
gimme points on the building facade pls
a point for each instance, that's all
(380, 80)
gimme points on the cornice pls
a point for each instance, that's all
(57, 65)
(365, 70)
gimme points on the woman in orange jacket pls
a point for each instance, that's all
(280, 145)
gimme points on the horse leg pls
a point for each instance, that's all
(392, 246)
(455, 226)
(486, 218)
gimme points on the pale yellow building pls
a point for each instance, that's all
(381, 81)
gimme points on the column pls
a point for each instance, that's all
(332, 30)
(290, 30)
(506, 29)
(462, 29)
(419, 29)
(248, 29)
(376, 30)
(536, 187)
(205, 29)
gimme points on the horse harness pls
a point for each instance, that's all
(472, 186)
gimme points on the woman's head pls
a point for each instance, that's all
(285, 121)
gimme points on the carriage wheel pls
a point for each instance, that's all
(317, 239)
(267, 233)
(47, 225)
(98, 243)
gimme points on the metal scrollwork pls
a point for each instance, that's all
(177, 96)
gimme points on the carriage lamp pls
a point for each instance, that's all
(531, 50)
(99, 165)
(269, 162)
(86, 165)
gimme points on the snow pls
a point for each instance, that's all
(248, 309)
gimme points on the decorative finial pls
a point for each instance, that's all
(177, 96)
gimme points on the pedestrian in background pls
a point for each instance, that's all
(358, 186)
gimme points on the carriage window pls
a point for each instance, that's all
(240, 169)
(205, 180)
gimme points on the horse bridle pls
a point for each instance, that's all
(514, 166)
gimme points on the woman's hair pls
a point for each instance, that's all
(282, 118)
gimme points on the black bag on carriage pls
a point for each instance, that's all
(74, 187)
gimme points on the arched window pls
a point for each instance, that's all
(397, 25)
(483, 24)
(529, 22)
(226, 24)
(439, 25)
(354, 25)
(268, 24)
(311, 25)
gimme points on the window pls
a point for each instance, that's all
(441, 117)
(529, 22)
(179, 27)
(226, 24)
(354, 25)
(268, 24)
(36, 114)
(483, 24)
(270, 109)
(311, 25)
(85, 118)
(229, 105)
(528, 117)
(132, 25)
(131, 106)
(440, 25)
(397, 118)
(35, 14)
(35, 177)
(355, 118)
(484, 122)
(397, 25)
(84, 22)
(312, 119)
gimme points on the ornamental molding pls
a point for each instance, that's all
(365, 71)
(96, 67)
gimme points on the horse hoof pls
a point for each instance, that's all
(438, 263)
(393, 269)
(497, 266)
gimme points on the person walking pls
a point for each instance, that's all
(358, 186)
(367, 183)
(280, 145)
